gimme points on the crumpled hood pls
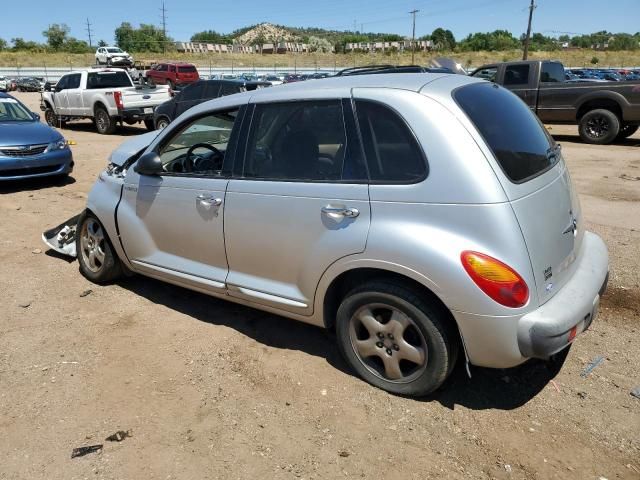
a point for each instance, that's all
(129, 148)
(26, 133)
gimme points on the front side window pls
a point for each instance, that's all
(297, 141)
(392, 152)
(518, 140)
(200, 147)
(516, 75)
(62, 83)
(552, 72)
(73, 81)
(488, 73)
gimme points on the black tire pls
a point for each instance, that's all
(626, 131)
(599, 127)
(103, 266)
(162, 123)
(148, 122)
(52, 119)
(429, 336)
(151, 82)
(104, 123)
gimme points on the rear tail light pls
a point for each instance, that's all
(117, 96)
(498, 280)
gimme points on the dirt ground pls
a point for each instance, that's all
(208, 389)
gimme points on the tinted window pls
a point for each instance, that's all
(108, 79)
(552, 72)
(73, 81)
(392, 152)
(162, 67)
(516, 75)
(212, 90)
(192, 92)
(488, 73)
(515, 135)
(230, 88)
(187, 69)
(200, 147)
(62, 83)
(302, 141)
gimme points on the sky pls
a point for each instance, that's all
(185, 17)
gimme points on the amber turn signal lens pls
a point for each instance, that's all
(498, 280)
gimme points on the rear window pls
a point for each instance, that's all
(516, 137)
(187, 69)
(113, 79)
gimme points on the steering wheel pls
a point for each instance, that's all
(188, 162)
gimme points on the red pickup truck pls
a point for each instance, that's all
(174, 74)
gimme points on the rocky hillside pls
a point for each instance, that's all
(266, 33)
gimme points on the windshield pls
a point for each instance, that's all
(13, 111)
(114, 50)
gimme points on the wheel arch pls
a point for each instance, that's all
(611, 101)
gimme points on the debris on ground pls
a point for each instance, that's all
(25, 304)
(507, 467)
(82, 451)
(119, 436)
(555, 385)
(635, 392)
(343, 453)
(592, 365)
(86, 292)
(36, 251)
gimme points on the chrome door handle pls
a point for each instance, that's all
(344, 211)
(208, 201)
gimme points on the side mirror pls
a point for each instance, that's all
(47, 87)
(148, 164)
(36, 116)
(57, 89)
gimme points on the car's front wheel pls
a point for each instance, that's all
(162, 123)
(97, 259)
(599, 127)
(395, 338)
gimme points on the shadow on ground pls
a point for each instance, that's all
(627, 142)
(487, 389)
(88, 126)
(33, 184)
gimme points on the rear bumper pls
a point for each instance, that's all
(549, 328)
(48, 164)
(507, 341)
(136, 113)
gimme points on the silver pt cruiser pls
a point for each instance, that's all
(418, 215)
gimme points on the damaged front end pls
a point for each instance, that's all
(62, 238)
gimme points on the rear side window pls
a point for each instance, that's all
(192, 92)
(393, 154)
(230, 89)
(552, 72)
(108, 80)
(187, 69)
(516, 75)
(514, 134)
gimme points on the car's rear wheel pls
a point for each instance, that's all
(105, 124)
(97, 259)
(627, 130)
(396, 339)
(162, 123)
(599, 127)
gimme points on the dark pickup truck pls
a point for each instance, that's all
(603, 111)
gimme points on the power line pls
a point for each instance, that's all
(527, 39)
(89, 32)
(413, 35)
(164, 27)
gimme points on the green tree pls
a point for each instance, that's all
(317, 44)
(443, 39)
(56, 35)
(146, 38)
(102, 43)
(3, 44)
(623, 41)
(20, 44)
(73, 45)
(211, 36)
(595, 60)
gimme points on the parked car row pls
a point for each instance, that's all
(611, 75)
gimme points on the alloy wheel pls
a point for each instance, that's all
(92, 243)
(388, 342)
(597, 126)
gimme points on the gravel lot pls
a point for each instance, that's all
(208, 389)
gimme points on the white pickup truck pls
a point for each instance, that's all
(105, 95)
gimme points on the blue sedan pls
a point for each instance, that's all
(29, 148)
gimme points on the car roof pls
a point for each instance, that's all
(177, 63)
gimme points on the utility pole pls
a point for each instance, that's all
(413, 35)
(164, 27)
(528, 37)
(89, 32)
